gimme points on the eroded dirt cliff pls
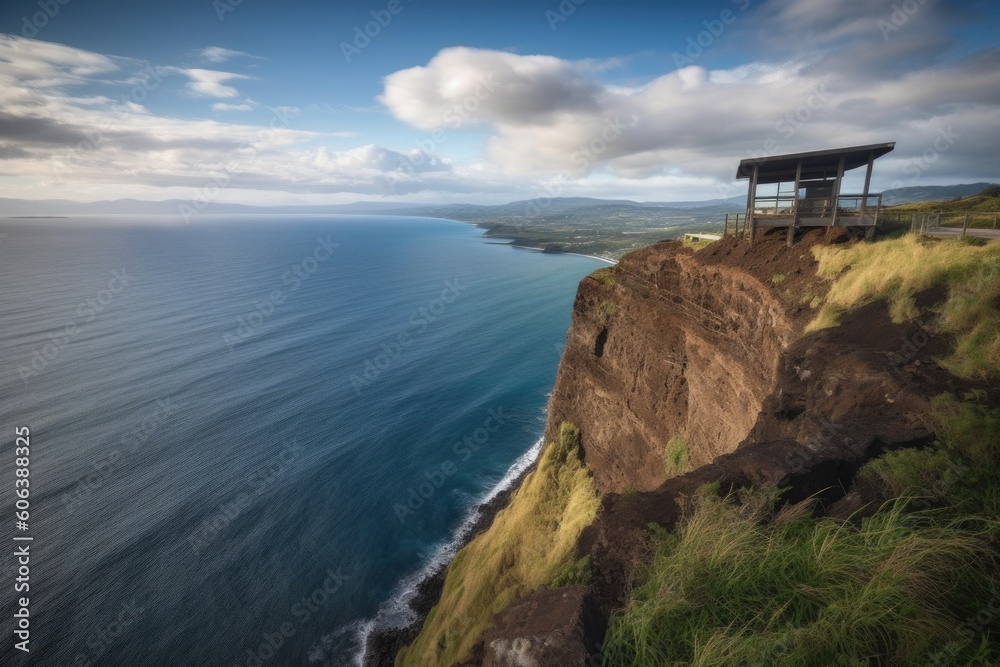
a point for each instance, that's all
(666, 344)
(709, 346)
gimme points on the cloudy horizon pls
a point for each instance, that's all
(401, 101)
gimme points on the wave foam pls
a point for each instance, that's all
(396, 612)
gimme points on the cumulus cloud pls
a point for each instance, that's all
(830, 76)
(821, 75)
(462, 86)
(211, 83)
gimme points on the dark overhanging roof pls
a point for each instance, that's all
(815, 164)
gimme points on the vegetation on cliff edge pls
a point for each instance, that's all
(897, 269)
(916, 582)
(530, 543)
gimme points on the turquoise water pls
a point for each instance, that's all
(249, 436)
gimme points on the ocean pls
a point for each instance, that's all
(249, 436)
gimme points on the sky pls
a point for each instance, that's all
(309, 102)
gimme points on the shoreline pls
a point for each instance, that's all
(379, 646)
(557, 252)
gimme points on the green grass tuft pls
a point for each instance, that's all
(675, 457)
(577, 572)
(604, 275)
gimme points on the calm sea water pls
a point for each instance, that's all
(248, 435)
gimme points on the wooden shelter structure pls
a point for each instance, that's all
(808, 190)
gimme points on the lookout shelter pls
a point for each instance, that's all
(808, 192)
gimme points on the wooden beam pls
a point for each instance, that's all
(752, 199)
(836, 190)
(868, 182)
(795, 192)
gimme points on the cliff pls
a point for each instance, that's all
(684, 369)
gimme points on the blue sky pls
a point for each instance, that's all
(258, 101)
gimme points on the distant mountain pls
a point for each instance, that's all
(30, 207)
(554, 207)
(919, 193)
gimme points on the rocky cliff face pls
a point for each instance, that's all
(709, 346)
(666, 345)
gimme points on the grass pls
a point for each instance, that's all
(896, 269)
(738, 584)
(675, 457)
(695, 244)
(605, 276)
(778, 278)
(961, 471)
(608, 308)
(530, 543)
(577, 572)
(986, 201)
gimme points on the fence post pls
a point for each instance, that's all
(965, 225)
(994, 221)
(913, 222)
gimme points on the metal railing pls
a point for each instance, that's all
(847, 204)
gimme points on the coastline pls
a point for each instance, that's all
(379, 645)
(557, 252)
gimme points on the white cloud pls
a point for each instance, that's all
(290, 112)
(217, 54)
(211, 83)
(584, 125)
(546, 116)
(224, 106)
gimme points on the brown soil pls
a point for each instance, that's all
(708, 345)
(834, 400)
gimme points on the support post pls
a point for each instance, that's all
(868, 182)
(752, 200)
(965, 225)
(836, 189)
